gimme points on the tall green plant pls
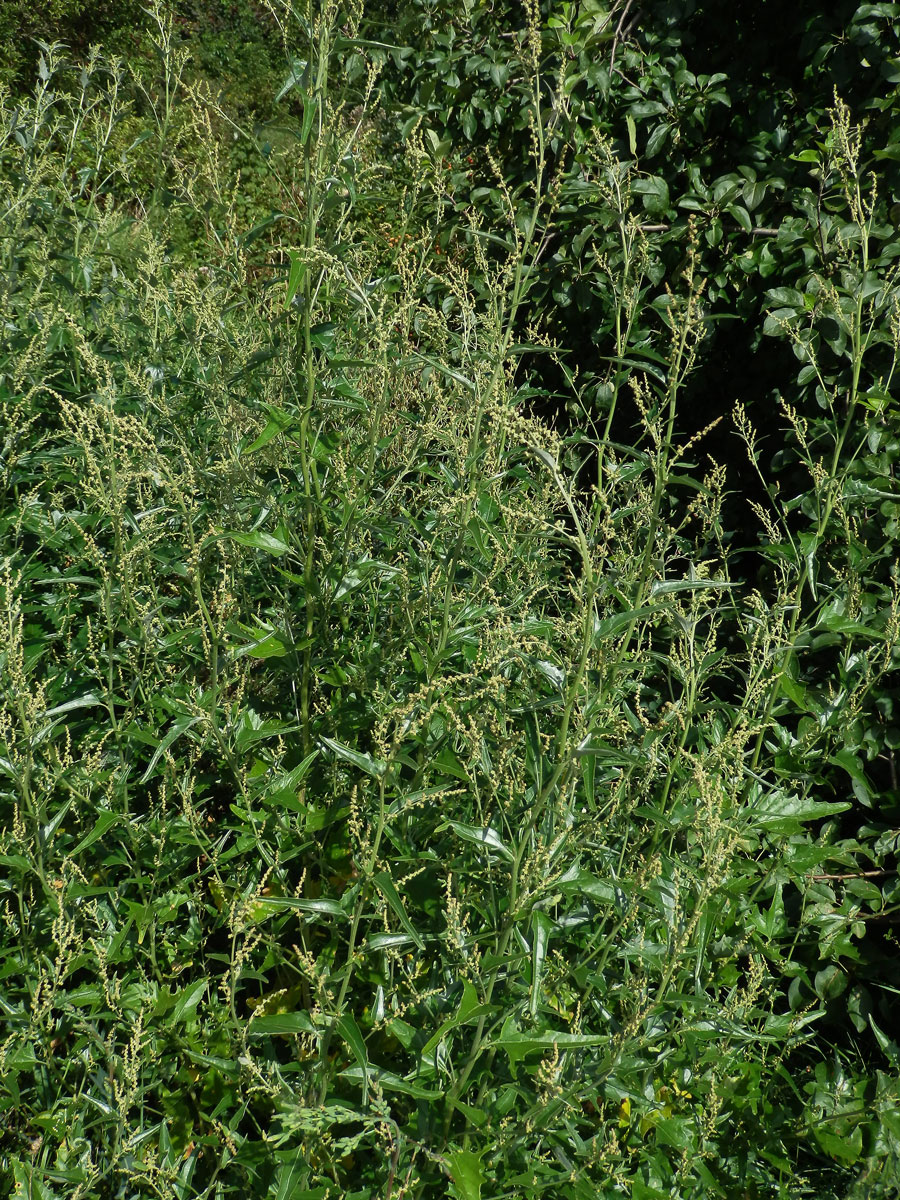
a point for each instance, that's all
(400, 798)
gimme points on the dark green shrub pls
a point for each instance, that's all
(78, 23)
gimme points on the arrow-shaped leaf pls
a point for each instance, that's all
(464, 1168)
(365, 762)
(179, 726)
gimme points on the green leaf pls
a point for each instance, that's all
(632, 135)
(188, 1000)
(663, 587)
(583, 883)
(179, 726)
(391, 1082)
(643, 1191)
(534, 751)
(468, 1003)
(386, 941)
(267, 643)
(372, 766)
(310, 108)
(830, 982)
(469, 1009)
(588, 774)
(321, 907)
(785, 297)
(852, 764)
(290, 1179)
(541, 928)
(753, 193)
(611, 626)
(483, 837)
(740, 215)
(281, 1025)
(258, 540)
(551, 672)
(797, 694)
(847, 1149)
(359, 573)
(657, 140)
(648, 108)
(105, 820)
(655, 192)
(832, 618)
(322, 336)
(464, 1169)
(385, 885)
(888, 1047)
(475, 1116)
(780, 812)
(349, 1031)
(255, 360)
(88, 700)
(295, 78)
(281, 787)
(517, 1044)
(278, 423)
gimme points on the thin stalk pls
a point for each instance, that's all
(358, 910)
(507, 319)
(313, 152)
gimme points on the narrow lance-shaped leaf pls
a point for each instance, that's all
(365, 762)
(385, 885)
(541, 928)
(179, 726)
(295, 278)
(349, 1031)
(105, 820)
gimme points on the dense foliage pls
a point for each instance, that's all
(449, 603)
